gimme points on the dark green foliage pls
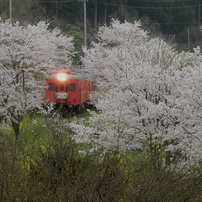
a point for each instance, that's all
(66, 176)
(12, 183)
(57, 171)
(162, 16)
(173, 16)
(24, 11)
(188, 36)
(149, 184)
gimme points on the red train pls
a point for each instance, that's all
(69, 90)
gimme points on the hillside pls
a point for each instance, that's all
(175, 20)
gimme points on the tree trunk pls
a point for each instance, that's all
(56, 8)
(121, 9)
(105, 14)
(16, 129)
(95, 14)
(16, 120)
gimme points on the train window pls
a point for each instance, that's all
(62, 87)
(52, 87)
(71, 87)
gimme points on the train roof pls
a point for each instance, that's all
(71, 76)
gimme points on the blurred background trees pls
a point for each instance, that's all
(175, 20)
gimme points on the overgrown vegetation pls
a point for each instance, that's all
(48, 166)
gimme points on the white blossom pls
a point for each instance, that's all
(147, 92)
(27, 54)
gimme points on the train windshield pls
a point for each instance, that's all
(52, 87)
(71, 87)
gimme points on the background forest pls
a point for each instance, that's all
(177, 21)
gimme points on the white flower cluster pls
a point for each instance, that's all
(27, 53)
(148, 93)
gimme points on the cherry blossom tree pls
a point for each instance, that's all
(149, 95)
(27, 53)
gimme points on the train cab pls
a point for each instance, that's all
(67, 89)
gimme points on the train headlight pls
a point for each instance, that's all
(61, 76)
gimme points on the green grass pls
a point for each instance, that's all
(43, 159)
(34, 128)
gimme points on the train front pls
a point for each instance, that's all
(67, 89)
(55, 92)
